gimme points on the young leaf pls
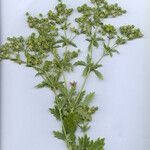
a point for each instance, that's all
(99, 75)
(80, 63)
(85, 71)
(85, 127)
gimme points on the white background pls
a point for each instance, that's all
(123, 97)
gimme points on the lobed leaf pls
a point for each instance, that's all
(88, 99)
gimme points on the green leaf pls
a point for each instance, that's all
(70, 123)
(97, 145)
(55, 112)
(60, 102)
(79, 98)
(73, 44)
(88, 99)
(85, 127)
(42, 85)
(63, 90)
(59, 135)
(100, 39)
(85, 71)
(80, 63)
(99, 75)
(95, 43)
(85, 143)
(97, 66)
(82, 94)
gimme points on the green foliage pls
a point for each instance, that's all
(51, 50)
(98, 74)
(59, 135)
(88, 98)
(86, 144)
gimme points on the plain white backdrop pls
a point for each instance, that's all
(123, 97)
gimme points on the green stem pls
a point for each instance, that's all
(82, 87)
(84, 82)
(63, 127)
(114, 46)
(65, 80)
(64, 130)
(100, 59)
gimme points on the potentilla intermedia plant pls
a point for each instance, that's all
(42, 50)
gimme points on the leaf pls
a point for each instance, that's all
(64, 38)
(95, 43)
(81, 97)
(59, 135)
(55, 112)
(108, 50)
(72, 91)
(85, 127)
(89, 40)
(97, 66)
(80, 63)
(73, 44)
(85, 71)
(94, 67)
(97, 145)
(105, 46)
(70, 123)
(42, 85)
(66, 41)
(60, 102)
(99, 75)
(63, 90)
(59, 41)
(100, 39)
(88, 99)
(86, 144)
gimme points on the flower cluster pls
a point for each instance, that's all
(12, 49)
(131, 32)
(114, 10)
(61, 14)
(109, 30)
(98, 1)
